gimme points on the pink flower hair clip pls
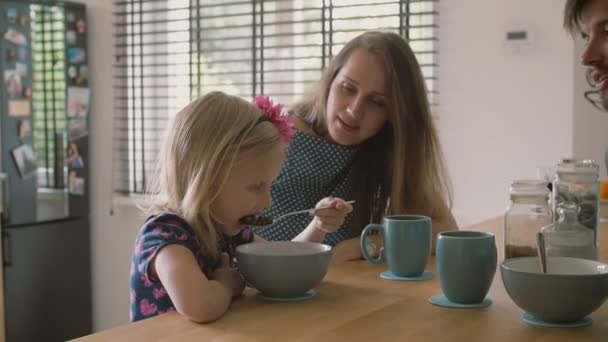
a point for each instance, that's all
(275, 114)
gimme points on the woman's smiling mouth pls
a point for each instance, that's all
(347, 126)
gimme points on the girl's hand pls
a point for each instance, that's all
(228, 276)
(330, 220)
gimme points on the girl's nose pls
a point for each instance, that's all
(267, 200)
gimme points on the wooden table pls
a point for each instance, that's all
(354, 304)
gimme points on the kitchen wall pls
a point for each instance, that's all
(503, 113)
(112, 235)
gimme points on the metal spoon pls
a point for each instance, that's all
(264, 221)
(540, 244)
(314, 210)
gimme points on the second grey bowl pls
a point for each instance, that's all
(570, 290)
(283, 269)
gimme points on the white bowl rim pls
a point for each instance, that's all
(505, 265)
(252, 248)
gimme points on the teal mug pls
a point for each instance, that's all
(466, 263)
(406, 244)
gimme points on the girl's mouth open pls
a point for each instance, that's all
(255, 220)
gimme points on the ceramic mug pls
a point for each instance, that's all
(466, 263)
(406, 244)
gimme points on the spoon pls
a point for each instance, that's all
(540, 244)
(264, 220)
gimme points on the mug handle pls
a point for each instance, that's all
(365, 240)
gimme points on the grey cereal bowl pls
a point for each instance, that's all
(283, 269)
(570, 290)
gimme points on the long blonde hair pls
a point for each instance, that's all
(198, 151)
(401, 169)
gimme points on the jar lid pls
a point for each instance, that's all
(529, 188)
(577, 166)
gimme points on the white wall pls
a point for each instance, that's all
(502, 115)
(112, 236)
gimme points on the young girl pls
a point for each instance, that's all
(216, 167)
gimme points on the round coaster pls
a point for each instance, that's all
(388, 275)
(307, 295)
(440, 300)
(533, 320)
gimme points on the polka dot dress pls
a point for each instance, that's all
(314, 169)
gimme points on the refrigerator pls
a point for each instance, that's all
(44, 100)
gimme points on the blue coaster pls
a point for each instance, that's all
(440, 300)
(533, 320)
(388, 275)
(307, 295)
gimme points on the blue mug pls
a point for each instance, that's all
(406, 244)
(466, 263)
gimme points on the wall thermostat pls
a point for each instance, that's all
(517, 40)
(517, 36)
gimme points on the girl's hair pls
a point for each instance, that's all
(199, 150)
(401, 169)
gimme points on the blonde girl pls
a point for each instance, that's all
(216, 166)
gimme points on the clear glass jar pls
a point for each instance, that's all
(576, 181)
(527, 213)
(567, 237)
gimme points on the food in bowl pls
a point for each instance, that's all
(571, 289)
(283, 269)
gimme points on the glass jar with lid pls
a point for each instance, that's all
(567, 237)
(527, 213)
(576, 181)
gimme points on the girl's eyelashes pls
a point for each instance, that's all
(261, 186)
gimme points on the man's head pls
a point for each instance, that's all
(590, 19)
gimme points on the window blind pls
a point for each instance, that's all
(168, 52)
(48, 90)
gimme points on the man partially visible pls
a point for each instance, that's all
(590, 19)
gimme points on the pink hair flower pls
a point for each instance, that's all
(275, 114)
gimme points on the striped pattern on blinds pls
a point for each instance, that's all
(168, 52)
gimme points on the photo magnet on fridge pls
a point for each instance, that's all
(25, 160)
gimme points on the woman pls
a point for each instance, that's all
(364, 133)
